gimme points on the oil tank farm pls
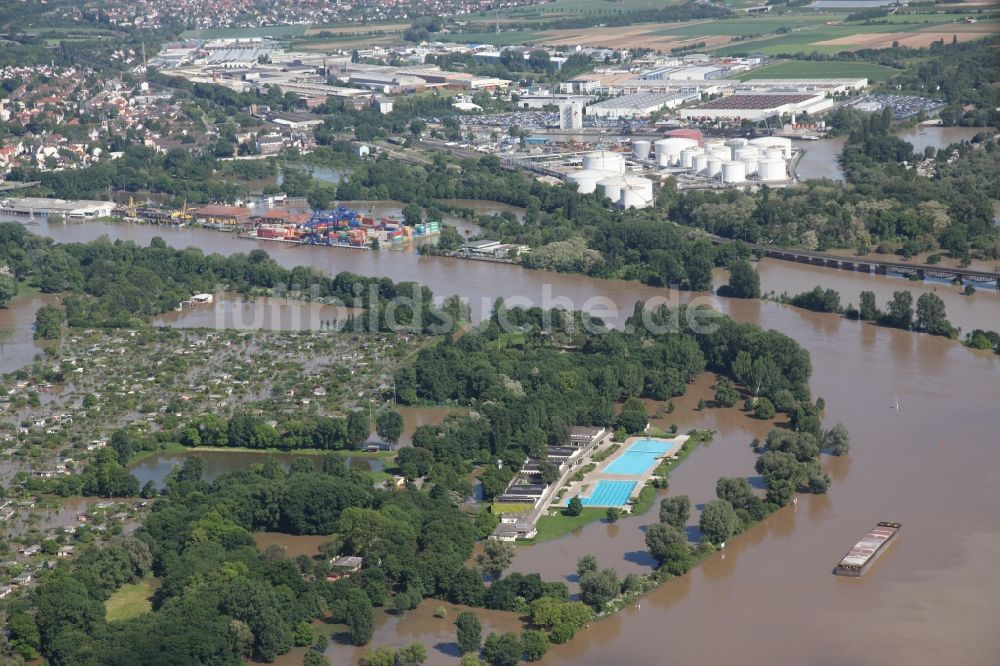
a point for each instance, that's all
(734, 172)
(766, 143)
(612, 187)
(636, 192)
(687, 157)
(587, 179)
(640, 150)
(604, 160)
(668, 151)
(771, 169)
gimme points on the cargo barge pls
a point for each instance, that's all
(870, 548)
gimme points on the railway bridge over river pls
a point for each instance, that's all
(872, 266)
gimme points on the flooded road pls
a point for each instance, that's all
(934, 466)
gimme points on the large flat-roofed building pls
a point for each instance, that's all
(638, 106)
(698, 73)
(758, 106)
(804, 85)
(298, 121)
(585, 437)
(74, 209)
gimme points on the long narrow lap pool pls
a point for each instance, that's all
(609, 493)
(639, 457)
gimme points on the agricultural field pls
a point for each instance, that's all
(830, 39)
(747, 25)
(278, 31)
(367, 28)
(818, 69)
(505, 38)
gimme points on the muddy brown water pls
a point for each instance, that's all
(934, 465)
(819, 159)
(17, 329)
(233, 311)
(156, 467)
(482, 282)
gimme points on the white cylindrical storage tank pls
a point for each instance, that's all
(687, 156)
(734, 172)
(699, 163)
(586, 180)
(779, 142)
(612, 187)
(640, 150)
(774, 154)
(668, 151)
(738, 142)
(771, 168)
(643, 185)
(750, 164)
(724, 154)
(604, 160)
(713, 144)
(635, 197)
(714, 167)
(746, 152)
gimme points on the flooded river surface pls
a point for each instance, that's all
(819, 159)
(482, 282)
(934, 465)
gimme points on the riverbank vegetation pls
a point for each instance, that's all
(929, 316)
(122, 285)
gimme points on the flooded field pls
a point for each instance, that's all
(156, 467)
(17, 329)
(231, 310)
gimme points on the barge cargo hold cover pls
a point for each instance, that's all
(869, 549)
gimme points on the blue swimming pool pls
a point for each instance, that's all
(609, 493)
(639, 457)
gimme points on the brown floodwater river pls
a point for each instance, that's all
(933, 465)
(819, 158)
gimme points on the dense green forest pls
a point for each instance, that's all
(222, 601)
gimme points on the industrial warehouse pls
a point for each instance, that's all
(77, 209)
(758, 106)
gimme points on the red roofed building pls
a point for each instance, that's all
(217, 214)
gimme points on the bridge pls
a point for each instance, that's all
(875, 266)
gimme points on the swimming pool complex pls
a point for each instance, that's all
(609, 493)
(639, 457)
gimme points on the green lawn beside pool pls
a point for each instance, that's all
(554, 527)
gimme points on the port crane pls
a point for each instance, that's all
(322, 220)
